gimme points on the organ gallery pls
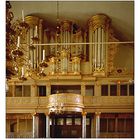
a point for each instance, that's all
(65, 80)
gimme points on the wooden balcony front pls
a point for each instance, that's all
(71, 102)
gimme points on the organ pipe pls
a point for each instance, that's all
(71, 33)
(98, 26)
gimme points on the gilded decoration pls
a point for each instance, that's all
(100, 31)
(66, 57)
(99, 20)
(66, 25)
(70, 101)
(112, 50)
(119, 71)
(32, 21)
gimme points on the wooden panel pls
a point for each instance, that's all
(66, 131)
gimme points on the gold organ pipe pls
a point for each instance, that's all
(102, 50)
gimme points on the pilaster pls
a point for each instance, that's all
(48, 87)
(84, 124)
(33, 90)
(35, 125)
(47, 125)
(83, 89)
(97, 125)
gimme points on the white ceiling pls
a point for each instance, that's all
(121, 13)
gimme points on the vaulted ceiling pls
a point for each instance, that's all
(121, 13)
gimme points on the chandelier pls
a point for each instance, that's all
(57, 108)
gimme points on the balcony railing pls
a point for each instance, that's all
(68, 100)
(108, 100)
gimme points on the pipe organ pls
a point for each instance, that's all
(98, 35)
(66, 34)
(78, 38)
(34, 36)
(67, 45)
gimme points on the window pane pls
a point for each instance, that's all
(87, 121)
(60, 121)
(13, 125)
(66, 89)
(42, 90)
(18, 91)
(9, 93)
(29, 125)
(113, 90)
(104, 90)
(103, 125)
(123, 90)
(89, 90)
(22, 124)
(111, 125)
(77, 121)
(69, 121)
(131, 90)
(27, 90)
(121, 125)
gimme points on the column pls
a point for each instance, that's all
(26, 125)
(92, 126)
(84, 124)
(83, 89)
(97, 88)
(118, 88)
(108, 89)
(48, 87)
(13, 90)
(116, 124)
(47, 125)
(97, 124)
(33, 90)
(127, 89)
(35, 125)
(17, 126)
